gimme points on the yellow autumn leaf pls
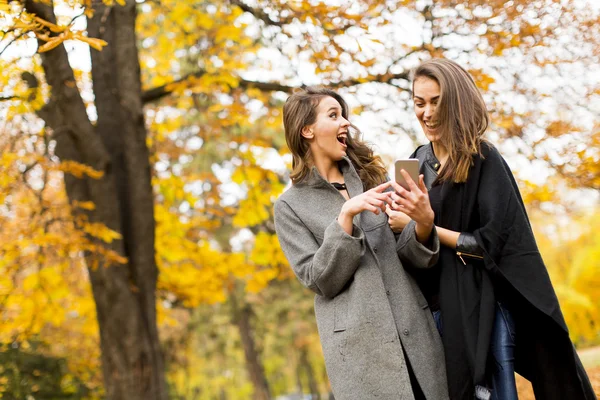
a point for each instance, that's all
(101, 231)
(51, 44)
(86, 205)
(79, 169)
(97, 44)
(53, 27)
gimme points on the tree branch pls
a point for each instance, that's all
(259, 14)
(381, 78)
(262, 16)
(159, 92)
(13, 40)
(66, 96)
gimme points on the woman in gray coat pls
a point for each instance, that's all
(378, 337)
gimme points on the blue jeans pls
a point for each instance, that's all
(437, 318)
(502, 347)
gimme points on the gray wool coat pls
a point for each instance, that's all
(370, 312)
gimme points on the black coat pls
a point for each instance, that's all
(490, 207)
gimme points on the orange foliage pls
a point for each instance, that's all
(217, 147)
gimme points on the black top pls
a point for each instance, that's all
(435, 199)
(429, 281)
(339, 186)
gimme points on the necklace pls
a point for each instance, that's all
(339, 186)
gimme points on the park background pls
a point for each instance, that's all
(141, 150)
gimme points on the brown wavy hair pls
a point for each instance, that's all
(461, 116)
(300, 110)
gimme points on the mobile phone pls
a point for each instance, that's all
(411, 166)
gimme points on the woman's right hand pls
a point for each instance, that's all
(374, 200)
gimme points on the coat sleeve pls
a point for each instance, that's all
(324, 269)
(414, 253)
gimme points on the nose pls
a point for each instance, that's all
(344, 122)
(429, 110)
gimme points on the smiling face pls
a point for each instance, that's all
(426, 94)
(329, 133)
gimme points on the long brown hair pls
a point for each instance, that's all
(300, 110)
(460, 114)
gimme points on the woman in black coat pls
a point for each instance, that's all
(490, 292)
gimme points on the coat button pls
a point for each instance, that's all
(375, 249)
(387, 292)
(406, 332)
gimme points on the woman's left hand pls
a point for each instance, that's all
(396, 219)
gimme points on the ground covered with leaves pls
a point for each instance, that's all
(525, 392)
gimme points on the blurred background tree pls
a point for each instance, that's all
(142, 148)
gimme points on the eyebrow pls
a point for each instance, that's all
(420, 98)
(334, 108)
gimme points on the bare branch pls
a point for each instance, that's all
(159, 92)
(8, 98)
(11, 42)
(381, 78)
(259, 14)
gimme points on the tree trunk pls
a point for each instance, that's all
(299, 387)
(312, 382)
(124, 294)
(241, 316)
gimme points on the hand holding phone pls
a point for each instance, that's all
(411, 166)
(413, 201)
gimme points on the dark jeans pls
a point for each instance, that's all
(503, 350)
(502, 347)
(437, 317)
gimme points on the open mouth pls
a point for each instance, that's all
(342, 137)
(431, 124)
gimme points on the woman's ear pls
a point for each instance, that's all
(307, 132)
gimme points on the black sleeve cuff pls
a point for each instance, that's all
(466, 243)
